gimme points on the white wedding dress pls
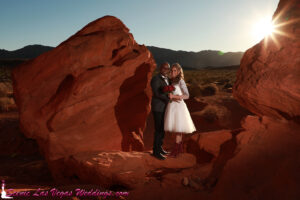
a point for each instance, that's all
(177, 116)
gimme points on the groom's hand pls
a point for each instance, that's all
(175, 99)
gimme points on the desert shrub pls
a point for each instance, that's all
(7, 104)
(5, 89)
(222, 81)
(196, 78)
(207, 76)
(210, 114)
(209, 90)
(227, 85)
(5, 74)
(194, 90)
(216, 112)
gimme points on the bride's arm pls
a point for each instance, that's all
(184, 90)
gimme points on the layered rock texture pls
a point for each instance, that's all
(92, 92)
(265, 164)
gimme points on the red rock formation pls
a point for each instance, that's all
(268, 79)
(206, 146)
(266, 162)
(92, 92)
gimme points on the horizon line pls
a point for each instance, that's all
(142, 44)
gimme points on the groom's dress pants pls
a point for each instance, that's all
(159, 131)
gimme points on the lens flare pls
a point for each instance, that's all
(274, 30)
(263, 28)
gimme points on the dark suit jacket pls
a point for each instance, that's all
(159, 98)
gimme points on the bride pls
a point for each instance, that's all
(177, 117)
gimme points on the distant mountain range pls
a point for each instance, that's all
(188, 59)
(201, 59)
(27, 52)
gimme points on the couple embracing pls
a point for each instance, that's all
(169, 109)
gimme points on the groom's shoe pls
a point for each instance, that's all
(159, 156)
(164, 152)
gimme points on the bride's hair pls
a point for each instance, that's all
(180, 74)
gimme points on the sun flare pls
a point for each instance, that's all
(263, 28)
(275, 29)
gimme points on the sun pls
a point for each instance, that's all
(272, 30)
(263, 28)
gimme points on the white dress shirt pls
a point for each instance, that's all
(165, 78)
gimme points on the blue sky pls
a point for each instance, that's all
(191, 25)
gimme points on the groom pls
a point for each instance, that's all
(158, 106)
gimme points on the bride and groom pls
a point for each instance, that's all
(169, 109)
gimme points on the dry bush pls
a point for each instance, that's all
(194, 90)
(210, 114)
(5, 73)
(209, 90)
(7, 104)
(5, 89)
(213, 113)
(205, 82)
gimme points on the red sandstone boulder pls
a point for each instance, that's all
(91, 93)
(266, 164)
(206, 146)
(266, 159)
(268, 78)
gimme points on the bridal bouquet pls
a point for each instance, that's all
(168, 89)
